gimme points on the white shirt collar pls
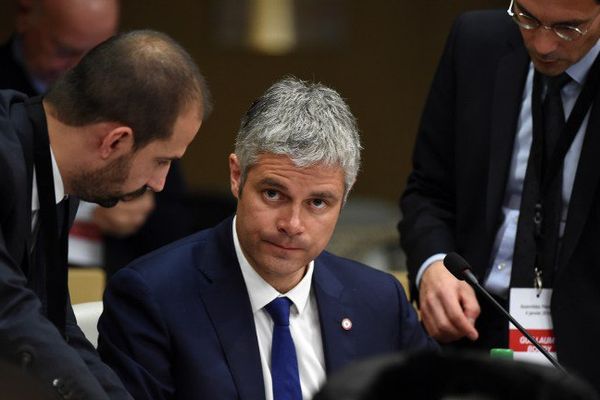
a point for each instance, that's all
(59, 189)
(579, 70)
(260, 292)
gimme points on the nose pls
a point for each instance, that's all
(290, 221)
(545, 41)
(157, 181)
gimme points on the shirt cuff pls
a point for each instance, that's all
(426, 264)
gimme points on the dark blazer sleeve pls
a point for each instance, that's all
(427, 202)
(109, 381)
(133, 338)
(29, 339)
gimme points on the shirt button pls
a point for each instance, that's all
(501, 266)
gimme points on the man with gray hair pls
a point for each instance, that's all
(255, 308)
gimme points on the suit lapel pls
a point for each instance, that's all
(338, 344)
(586, 181)
(506, 103)
(228, 306)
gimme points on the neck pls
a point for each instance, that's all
(284, 284)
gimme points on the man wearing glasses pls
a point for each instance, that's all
(505, 173)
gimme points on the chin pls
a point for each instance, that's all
(550, 69)
(284, 266)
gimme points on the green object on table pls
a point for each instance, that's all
(501, 353)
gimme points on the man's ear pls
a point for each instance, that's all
(235, 175)
(116, 142)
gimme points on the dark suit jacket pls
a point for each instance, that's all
(462, 156)
(178, 323)
(26, 336)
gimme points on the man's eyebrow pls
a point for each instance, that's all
(271, 182)
(324, 195)
(169, 159)
(573, 22)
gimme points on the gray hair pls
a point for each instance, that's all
(308, 122)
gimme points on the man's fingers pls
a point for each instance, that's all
(437, 323)
(461, 323)
(470, 307)
(449, 307)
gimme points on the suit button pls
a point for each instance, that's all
(62, 388)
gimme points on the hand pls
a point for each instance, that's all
(448, 306)
(126, 217)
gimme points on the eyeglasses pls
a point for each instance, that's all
(528, 22)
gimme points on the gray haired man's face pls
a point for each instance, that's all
(286, 215)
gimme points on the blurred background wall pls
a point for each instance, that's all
(380, 54)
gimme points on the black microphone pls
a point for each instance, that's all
(461, 270)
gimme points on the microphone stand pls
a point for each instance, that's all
(475, 283)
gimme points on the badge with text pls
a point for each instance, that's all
(533, 313)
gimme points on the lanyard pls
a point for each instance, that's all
(54, 247)
(572, 125)
(547, 171)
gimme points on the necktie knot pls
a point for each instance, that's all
(556, 83)
(279, 310)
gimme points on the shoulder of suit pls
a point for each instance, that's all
(11, 146)
(176, 249)
(8, 98)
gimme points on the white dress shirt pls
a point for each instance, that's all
(59, 190)
(305, 327)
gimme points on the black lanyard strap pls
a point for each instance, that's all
(55, 241)
(546, 178)
(545, 174)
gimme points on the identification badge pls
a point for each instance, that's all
(531, 308)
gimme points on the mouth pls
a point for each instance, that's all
(134, 195)
(282, 246)
(546, 60)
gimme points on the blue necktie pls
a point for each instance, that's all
(284, 364)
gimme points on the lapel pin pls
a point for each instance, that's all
(346, 324)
